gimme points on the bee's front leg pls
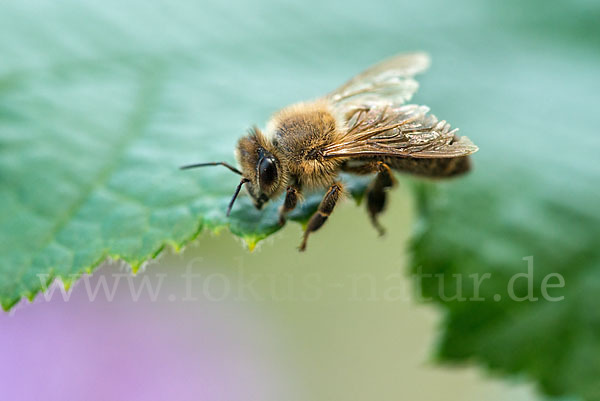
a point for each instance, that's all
(291, 200)
(325, 209)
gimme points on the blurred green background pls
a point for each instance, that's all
(78, 77)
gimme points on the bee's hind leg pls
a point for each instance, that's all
(377, 196)
(325, 209)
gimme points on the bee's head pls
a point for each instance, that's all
(260, 166)
(262, 172)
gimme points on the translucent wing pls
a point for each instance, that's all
(389, 82)
(378, 124)
(398, 131)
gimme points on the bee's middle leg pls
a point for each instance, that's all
(376, 194)
(325, 209)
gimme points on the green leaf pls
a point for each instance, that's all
(100, 104)
(470, 231)
(98, 109)
(533, 198)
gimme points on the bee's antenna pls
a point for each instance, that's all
(236, 193)
(225, 164)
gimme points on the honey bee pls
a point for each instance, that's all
(363, 127)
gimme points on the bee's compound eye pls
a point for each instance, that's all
(267, 172)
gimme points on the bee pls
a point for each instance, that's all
(363, 127)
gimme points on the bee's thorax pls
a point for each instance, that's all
(299, 133)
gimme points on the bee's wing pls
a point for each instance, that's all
(397, 131)
(389, 82)
(379, 125)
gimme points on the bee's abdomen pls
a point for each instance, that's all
(433, 168)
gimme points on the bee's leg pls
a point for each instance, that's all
(321, 215)
(291, 199)
(376, 194)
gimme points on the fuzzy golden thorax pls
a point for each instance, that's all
(299, 133)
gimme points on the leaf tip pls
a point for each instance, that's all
(135, 267)
(358, 197)
(8, 303)
(251, 242)
(67, 283)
